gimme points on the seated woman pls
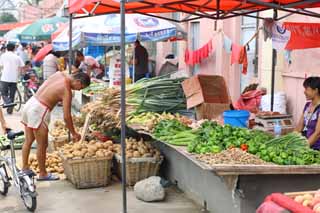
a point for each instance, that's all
(309, 123)
(250, 98)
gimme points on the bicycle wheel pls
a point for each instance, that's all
(29, 198)
(18, 101)
(4, 184)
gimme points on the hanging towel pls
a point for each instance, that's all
(197, 56)
(243, 59)
(235, 54)
(227, 44)
(287, 55)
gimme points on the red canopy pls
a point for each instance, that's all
(200, 8)
(10, 26)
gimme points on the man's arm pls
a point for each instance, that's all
(67, 113)
(315, 136)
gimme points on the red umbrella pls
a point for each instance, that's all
(43, 52)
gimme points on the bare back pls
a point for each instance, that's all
(54, 89)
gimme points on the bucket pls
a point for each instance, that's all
(238, 118)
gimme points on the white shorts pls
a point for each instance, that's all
(35, 113)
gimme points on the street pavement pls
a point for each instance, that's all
(61, 196)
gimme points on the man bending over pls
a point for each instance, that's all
(36, 116)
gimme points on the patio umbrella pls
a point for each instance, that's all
(105, 30)
(42, 29)
(43, 52)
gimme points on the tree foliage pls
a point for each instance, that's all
(7, 17)
(32, 2)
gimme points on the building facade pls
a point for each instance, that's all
(289, 78)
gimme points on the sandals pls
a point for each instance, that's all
(49, 177)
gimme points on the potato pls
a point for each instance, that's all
(105, 146)
(77, 154)
(134, 147)
(307, 197)
(306, 202)
(129, 155)
(99, 153)
(109, 142)
(136, 154)
(141, 150)
(70, 156)
(109, 155)
(92, 142)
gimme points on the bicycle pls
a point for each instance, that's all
(23, 182)
(18, 98)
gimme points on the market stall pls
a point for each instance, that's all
(222, 9)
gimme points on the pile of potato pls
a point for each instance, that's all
(60, 130)
(138, 149)
(53, 163)
(310, 200)
(85, 150)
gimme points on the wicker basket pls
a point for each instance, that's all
(138, 168)
(88, 173)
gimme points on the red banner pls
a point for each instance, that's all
(303, 35)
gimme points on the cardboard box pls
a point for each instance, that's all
(210, 111)
(205, 89)
(208, 94)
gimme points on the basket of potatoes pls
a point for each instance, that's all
(142, 160)
(88, 164)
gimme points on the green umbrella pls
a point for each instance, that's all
(42, 29)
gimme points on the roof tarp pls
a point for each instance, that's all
(94, 7)
(10, 26)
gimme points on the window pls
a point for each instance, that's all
(195, 37)
(248, 29)
(175, 45)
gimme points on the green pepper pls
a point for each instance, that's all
(283, 155)
(253, 149)
(215, 149)
(266, 158)
(263, 146)
(300, 161)
(263, 152)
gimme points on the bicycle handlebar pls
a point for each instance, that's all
(8, 105)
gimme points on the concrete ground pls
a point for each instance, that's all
(61, 196)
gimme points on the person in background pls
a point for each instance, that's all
(309, 123)
(79, 58)
(22, 52)
(12, 66)
(140, 60)
(88, 65)
(50, 64)
(250, 99)
(30, 78)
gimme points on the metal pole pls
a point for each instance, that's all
(273, 71)
(123, 107)
(70, 56)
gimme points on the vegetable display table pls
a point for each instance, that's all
(232, 188)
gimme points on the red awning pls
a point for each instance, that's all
(201, 8)
(10, 26)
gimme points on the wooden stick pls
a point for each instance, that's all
(85, 127)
